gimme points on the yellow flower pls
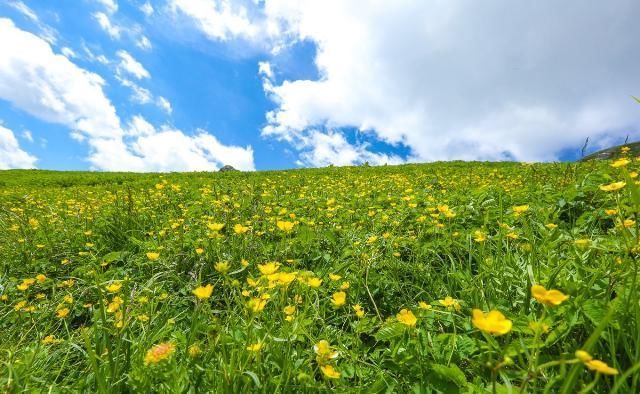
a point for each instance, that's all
(194, 351)
(153, 256)
(613, 186)
(620, 163)
(222, 267)
(330, 372)
(424, 306)
(407, 318)
(160, 352)
(357, 308)
(601, 366)
(62, 313)
(289, 310)
(628, 223)
(583, 356)
(581, 243)
(268, 268)
(255, 347)
(50, 340)
(199, 251)
(314, 282)
(41, 278)
(611, 212)
(520, 209)
(203, 292)
(215, 226)
(324, 352)
(338, 299)
(335, 277)
(493, 322)
(479, 236)
(450, 302)
(68, 299)
(114, 287)
(345, 285)
(240, 229)
(285, 278)
(551, 226)
(287, 227)
(256, 304)
(548, 297)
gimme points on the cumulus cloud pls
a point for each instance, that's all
(455, 80)
(164, 104)
(111, 6)
(51, 87)
(11, 155)
(147, 9)
(144, 43)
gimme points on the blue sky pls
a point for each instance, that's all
(180, 85)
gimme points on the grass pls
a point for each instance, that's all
(98, 273)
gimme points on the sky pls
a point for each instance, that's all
(192, 85)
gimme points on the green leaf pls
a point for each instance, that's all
(390, 331)
(253, 377)
(451, 374)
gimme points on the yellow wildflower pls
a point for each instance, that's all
(268, 268)
(203, 292)
(153, 256)
(613, 186)
(330, 372)
(114, 287)
(493, 322)
(357, 308)
(407, 318)
(548, 297)
(160, 352)
(287, 227)
(222, 267)
(338, 299)
(255, 347)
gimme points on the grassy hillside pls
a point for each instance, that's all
(614, 152)
(447, 277)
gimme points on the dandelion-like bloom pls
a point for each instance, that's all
(613, 186)
(256, 305)
(338, 299)
(520, 209)
(62, 313)
(153, 256)
(424, 306)
(215, 226)
(479, 236)
(268, 268)
(357, 308)
(314, 282)
(114, 287)
(160, 352)
(222, 266)
(255, 347)
(493, 322)
(407, 318)
(287, 227)
(450, 302)
(330, 372)
(620, 163)
(203, 292)
(548, 297)
(240, 229)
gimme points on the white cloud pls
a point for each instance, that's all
(111, 6)
(164, 104)
(26, 134)
(464, 79)
(147, 9)
(322, 149)
(52, 88)
(105, 23)
(144, 43)
(68, 52)
(131, 65)
(218, 19)
(24, 10)
(139, 95)
(11, 155)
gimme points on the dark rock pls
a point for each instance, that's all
(228, 168)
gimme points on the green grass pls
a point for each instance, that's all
(88, 324)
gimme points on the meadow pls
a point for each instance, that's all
(444, 277)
